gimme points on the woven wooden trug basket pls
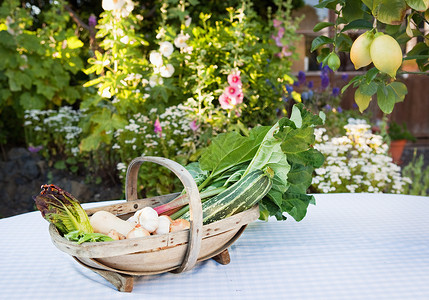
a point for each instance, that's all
(119, 261)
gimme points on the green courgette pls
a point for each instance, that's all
(239, 197)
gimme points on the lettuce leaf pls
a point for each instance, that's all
(63, 210)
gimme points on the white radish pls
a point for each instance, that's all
(103, 221)
(164, 225)
(137, 232)
(148, 218)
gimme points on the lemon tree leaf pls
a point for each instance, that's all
(368, 89)
(352, 10)
(389, 11)
(320, 41)
(327, 4)
(321, 25)
(358, 24)
(362, 100)
(419, 5)
(399, 89)
(386, 98)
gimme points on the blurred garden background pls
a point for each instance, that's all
(88, 85)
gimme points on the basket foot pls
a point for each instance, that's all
(123, 282)
(223, 258)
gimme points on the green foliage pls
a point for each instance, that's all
(157, 92)
(187, 62)
(390, 17)
(37, 64)
(419, 174)
(399, 132)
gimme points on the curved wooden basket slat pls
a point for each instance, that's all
(175, 252)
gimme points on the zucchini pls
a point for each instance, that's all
(239, 197)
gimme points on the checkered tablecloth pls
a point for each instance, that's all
(350, 246)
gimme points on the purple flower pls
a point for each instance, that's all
(301, 77)
(345, 77)
(92, 20)
(335, 91)
(325, 82)
(304, 96)
(289, 89)
(158, 128)
(324, 70)
(296, 83)
(310, 84)
(34, 149)
(339, 109)
(328, 107)
(194, 125)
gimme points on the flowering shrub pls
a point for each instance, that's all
(217, 68)
(166, 92)
(36, 64)
(55, 134)
(357, 162)
(169, 134)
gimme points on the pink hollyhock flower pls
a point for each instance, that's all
(277, 23)
(284, 52)
(232, 91)
(158, 128)
(194, 127)
(239, 98)
(281, 32)
(226, 102)
(234, 79)
(278, 41)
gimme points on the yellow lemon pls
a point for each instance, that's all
(386, 54)
(359, 53)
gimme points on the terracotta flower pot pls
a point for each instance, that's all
(396, 149)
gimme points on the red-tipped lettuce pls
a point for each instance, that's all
(63, 210)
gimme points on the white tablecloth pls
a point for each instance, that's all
(349, 246)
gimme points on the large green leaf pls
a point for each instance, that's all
(389, 11)
(327, 4)
(352, 10)
(419, 5)
(390, 94)
(358, 24)
(320, 41)
(321, 25)
(229, 149)
(296, 205)
(362, 100)
(399, 89)
(31, 101)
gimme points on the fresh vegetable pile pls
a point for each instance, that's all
(65, 212)
(272, 166)
(283, 152)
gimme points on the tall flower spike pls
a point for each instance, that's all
(158, 128)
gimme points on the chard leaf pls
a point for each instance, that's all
(196, 172)
(296, 205)
(310, 157)
(230, 149)
(271, 155)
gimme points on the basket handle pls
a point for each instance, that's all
(195, 208)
